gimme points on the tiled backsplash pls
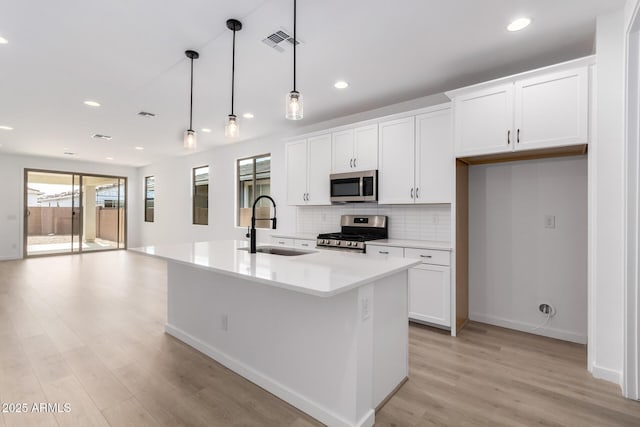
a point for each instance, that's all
(417, 222)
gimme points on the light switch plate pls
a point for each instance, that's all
(549, 221)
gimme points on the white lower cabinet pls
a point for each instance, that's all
(429, 282)
(430, 294)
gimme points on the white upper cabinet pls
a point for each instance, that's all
(484, 121)
(552, 110)
(397, 154)
(435, 161)
(355, 149)
(416, 159)
(540, 109)
(319, 169)
(308, 168)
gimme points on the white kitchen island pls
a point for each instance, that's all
(325, 331)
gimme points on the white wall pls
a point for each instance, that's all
(11, 194)
(630, 7)
(515, 262)
(608, 203)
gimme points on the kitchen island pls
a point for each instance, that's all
(326, 331)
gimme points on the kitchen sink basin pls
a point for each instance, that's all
(276, 250)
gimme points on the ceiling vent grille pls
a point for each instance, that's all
(278, 39)
(100, 136)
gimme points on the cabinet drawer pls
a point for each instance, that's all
(281, 241)
(304, 244)
(383, 251)
(428, 256)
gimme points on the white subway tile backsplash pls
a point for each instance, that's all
(420, 222)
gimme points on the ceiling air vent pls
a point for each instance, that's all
(278, 39)
(100, 136)
(146, 114)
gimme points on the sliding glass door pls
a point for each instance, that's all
(72, 212)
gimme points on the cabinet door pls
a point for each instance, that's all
(319, 169)
(430, 294)
(342, 151)
(484, 121)
(552, 110)
(365, 148)
(296, 158)
(396, 170)
(282, 241)
(435, 162)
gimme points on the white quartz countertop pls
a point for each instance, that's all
(417, 244)
(322, 273)
(299, 236)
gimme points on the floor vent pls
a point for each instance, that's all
(278, 39)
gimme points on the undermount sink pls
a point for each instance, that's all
(276, 250)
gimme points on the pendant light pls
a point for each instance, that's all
(231, 129)
(294, 98)
(190, 138)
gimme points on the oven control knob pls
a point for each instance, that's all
(338, 243)
(349, 243)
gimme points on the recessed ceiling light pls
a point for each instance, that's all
(3, 40)
(6, 128)
(341, 84)
(92, 103)
(109, 158)
(139, 148)
(206, 130)
(248, 116)
(519, 24)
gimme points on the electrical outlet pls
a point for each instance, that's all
(549, 221)
(365, 308)
(547, 309)
(224, 322)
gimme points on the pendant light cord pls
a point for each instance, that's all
(295, 42)
(233, 69)
(191, 101)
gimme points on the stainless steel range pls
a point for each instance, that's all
(356, 231)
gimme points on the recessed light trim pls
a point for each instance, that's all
(6, 127)
(206, 130)
(139, 148)
(341, 84)
(91, 103)
(109, 158)
(248, 116)
(519, 24)
(3, 40)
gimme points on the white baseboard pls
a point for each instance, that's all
(607, 374)
(9, 258)
(318, 412)
(527, 327)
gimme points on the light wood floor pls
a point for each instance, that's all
(88, 330)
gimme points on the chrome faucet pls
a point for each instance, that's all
(252, 234)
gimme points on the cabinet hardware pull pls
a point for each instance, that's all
(354, 163)
(350, 163)
(417, 192)
(307, 197)
(282, 243)
(412, 193)
(508, 137)
(518, 136)
(426, 256)
(305, 244)
(383, 252)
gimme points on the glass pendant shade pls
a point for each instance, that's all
(190, 139)
(294, 106)
(231, 129)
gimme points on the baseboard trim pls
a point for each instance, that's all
(527, 327)
(301, 402)
(607, 375)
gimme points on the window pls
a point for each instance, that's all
(149, 197)
(254, 180)
(201, 195)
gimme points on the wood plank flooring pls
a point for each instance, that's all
(88, 330)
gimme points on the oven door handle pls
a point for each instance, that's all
(361, 186)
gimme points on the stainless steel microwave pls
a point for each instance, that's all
(354, 187)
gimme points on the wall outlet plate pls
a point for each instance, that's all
(547, 309)
(549, 221)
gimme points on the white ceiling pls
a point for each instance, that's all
(129, 56)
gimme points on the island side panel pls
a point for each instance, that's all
(308, 350)
(390, 335)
